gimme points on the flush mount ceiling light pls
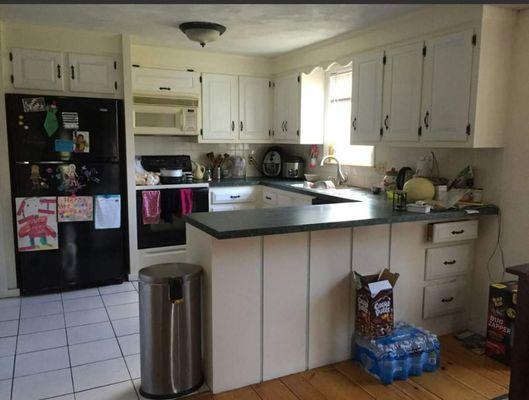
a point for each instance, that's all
(202, 32)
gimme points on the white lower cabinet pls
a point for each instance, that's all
(432, 287)
(285, 304)
(233, 198)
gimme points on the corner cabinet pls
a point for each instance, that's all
(51, 70)
(299, 102)
(220, 108)
(255, 109)
(286, 108)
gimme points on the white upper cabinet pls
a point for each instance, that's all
(447, 87)
(366, 99)
(287, 105)
(92, 73)
(255, 105)
(36, 69)
(220, 107)
(402, 93)
(165, 82)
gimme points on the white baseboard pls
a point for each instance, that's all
(10, 293)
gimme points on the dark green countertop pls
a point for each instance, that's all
(353, 207)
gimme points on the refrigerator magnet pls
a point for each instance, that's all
(70, 120)
(64, 145)
(81, 140)
(34, 104)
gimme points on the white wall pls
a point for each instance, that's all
(514, 172)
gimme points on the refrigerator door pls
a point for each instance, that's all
(85, 256)
(94, 137)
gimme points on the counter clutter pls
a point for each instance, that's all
(351, 207)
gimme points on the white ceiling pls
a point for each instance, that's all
(261, 30)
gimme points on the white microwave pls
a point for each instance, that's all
(166, 116)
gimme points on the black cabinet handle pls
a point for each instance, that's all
(427, 120)
(386, 122)
(447, 299)
(286, 126)
(164, 88)
(354, 123)
(59, 71)
(241, 126)
(73, 71)
(449, 262)
(232, 126)
(458, 232)
(235, 197)
(268, 198)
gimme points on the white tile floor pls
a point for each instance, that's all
(71, 346)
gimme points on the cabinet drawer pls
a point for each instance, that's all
(453, 231)
(269, 198)
(445, 262)
(446, 298)
(232, 195)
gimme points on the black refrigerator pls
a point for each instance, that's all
(68, 187)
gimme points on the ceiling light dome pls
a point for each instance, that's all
(202, 32)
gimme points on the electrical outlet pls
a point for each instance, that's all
(381, 167)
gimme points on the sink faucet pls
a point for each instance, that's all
(340, 177)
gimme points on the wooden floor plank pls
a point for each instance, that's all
(303, 389)
(274, 390)
(414, 390)
(334, 385)
(472, 379)
(456, 347)
(444, 386)
(201, 396)
(370, 384)
(246, 393)
(476, 365)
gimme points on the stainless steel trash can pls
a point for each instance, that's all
(170, 330)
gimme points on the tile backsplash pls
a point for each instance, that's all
(486, 162)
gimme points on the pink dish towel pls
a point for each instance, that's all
(186, 201)
(150, 203)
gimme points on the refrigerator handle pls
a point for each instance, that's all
(40, 162)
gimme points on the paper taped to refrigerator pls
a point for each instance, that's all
(36, 223)
(75, 208)
(108, 211)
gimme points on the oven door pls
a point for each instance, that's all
(171, 230)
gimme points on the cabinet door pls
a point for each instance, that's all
(90, 73)
(286, 116)
(366, 113)
(220, 107)
(164, 81)
(447, 86)
(402, 93)
(254, 109)
(36, 69)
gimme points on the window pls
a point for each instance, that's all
(338, 120)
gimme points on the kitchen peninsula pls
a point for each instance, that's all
(278, 295)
